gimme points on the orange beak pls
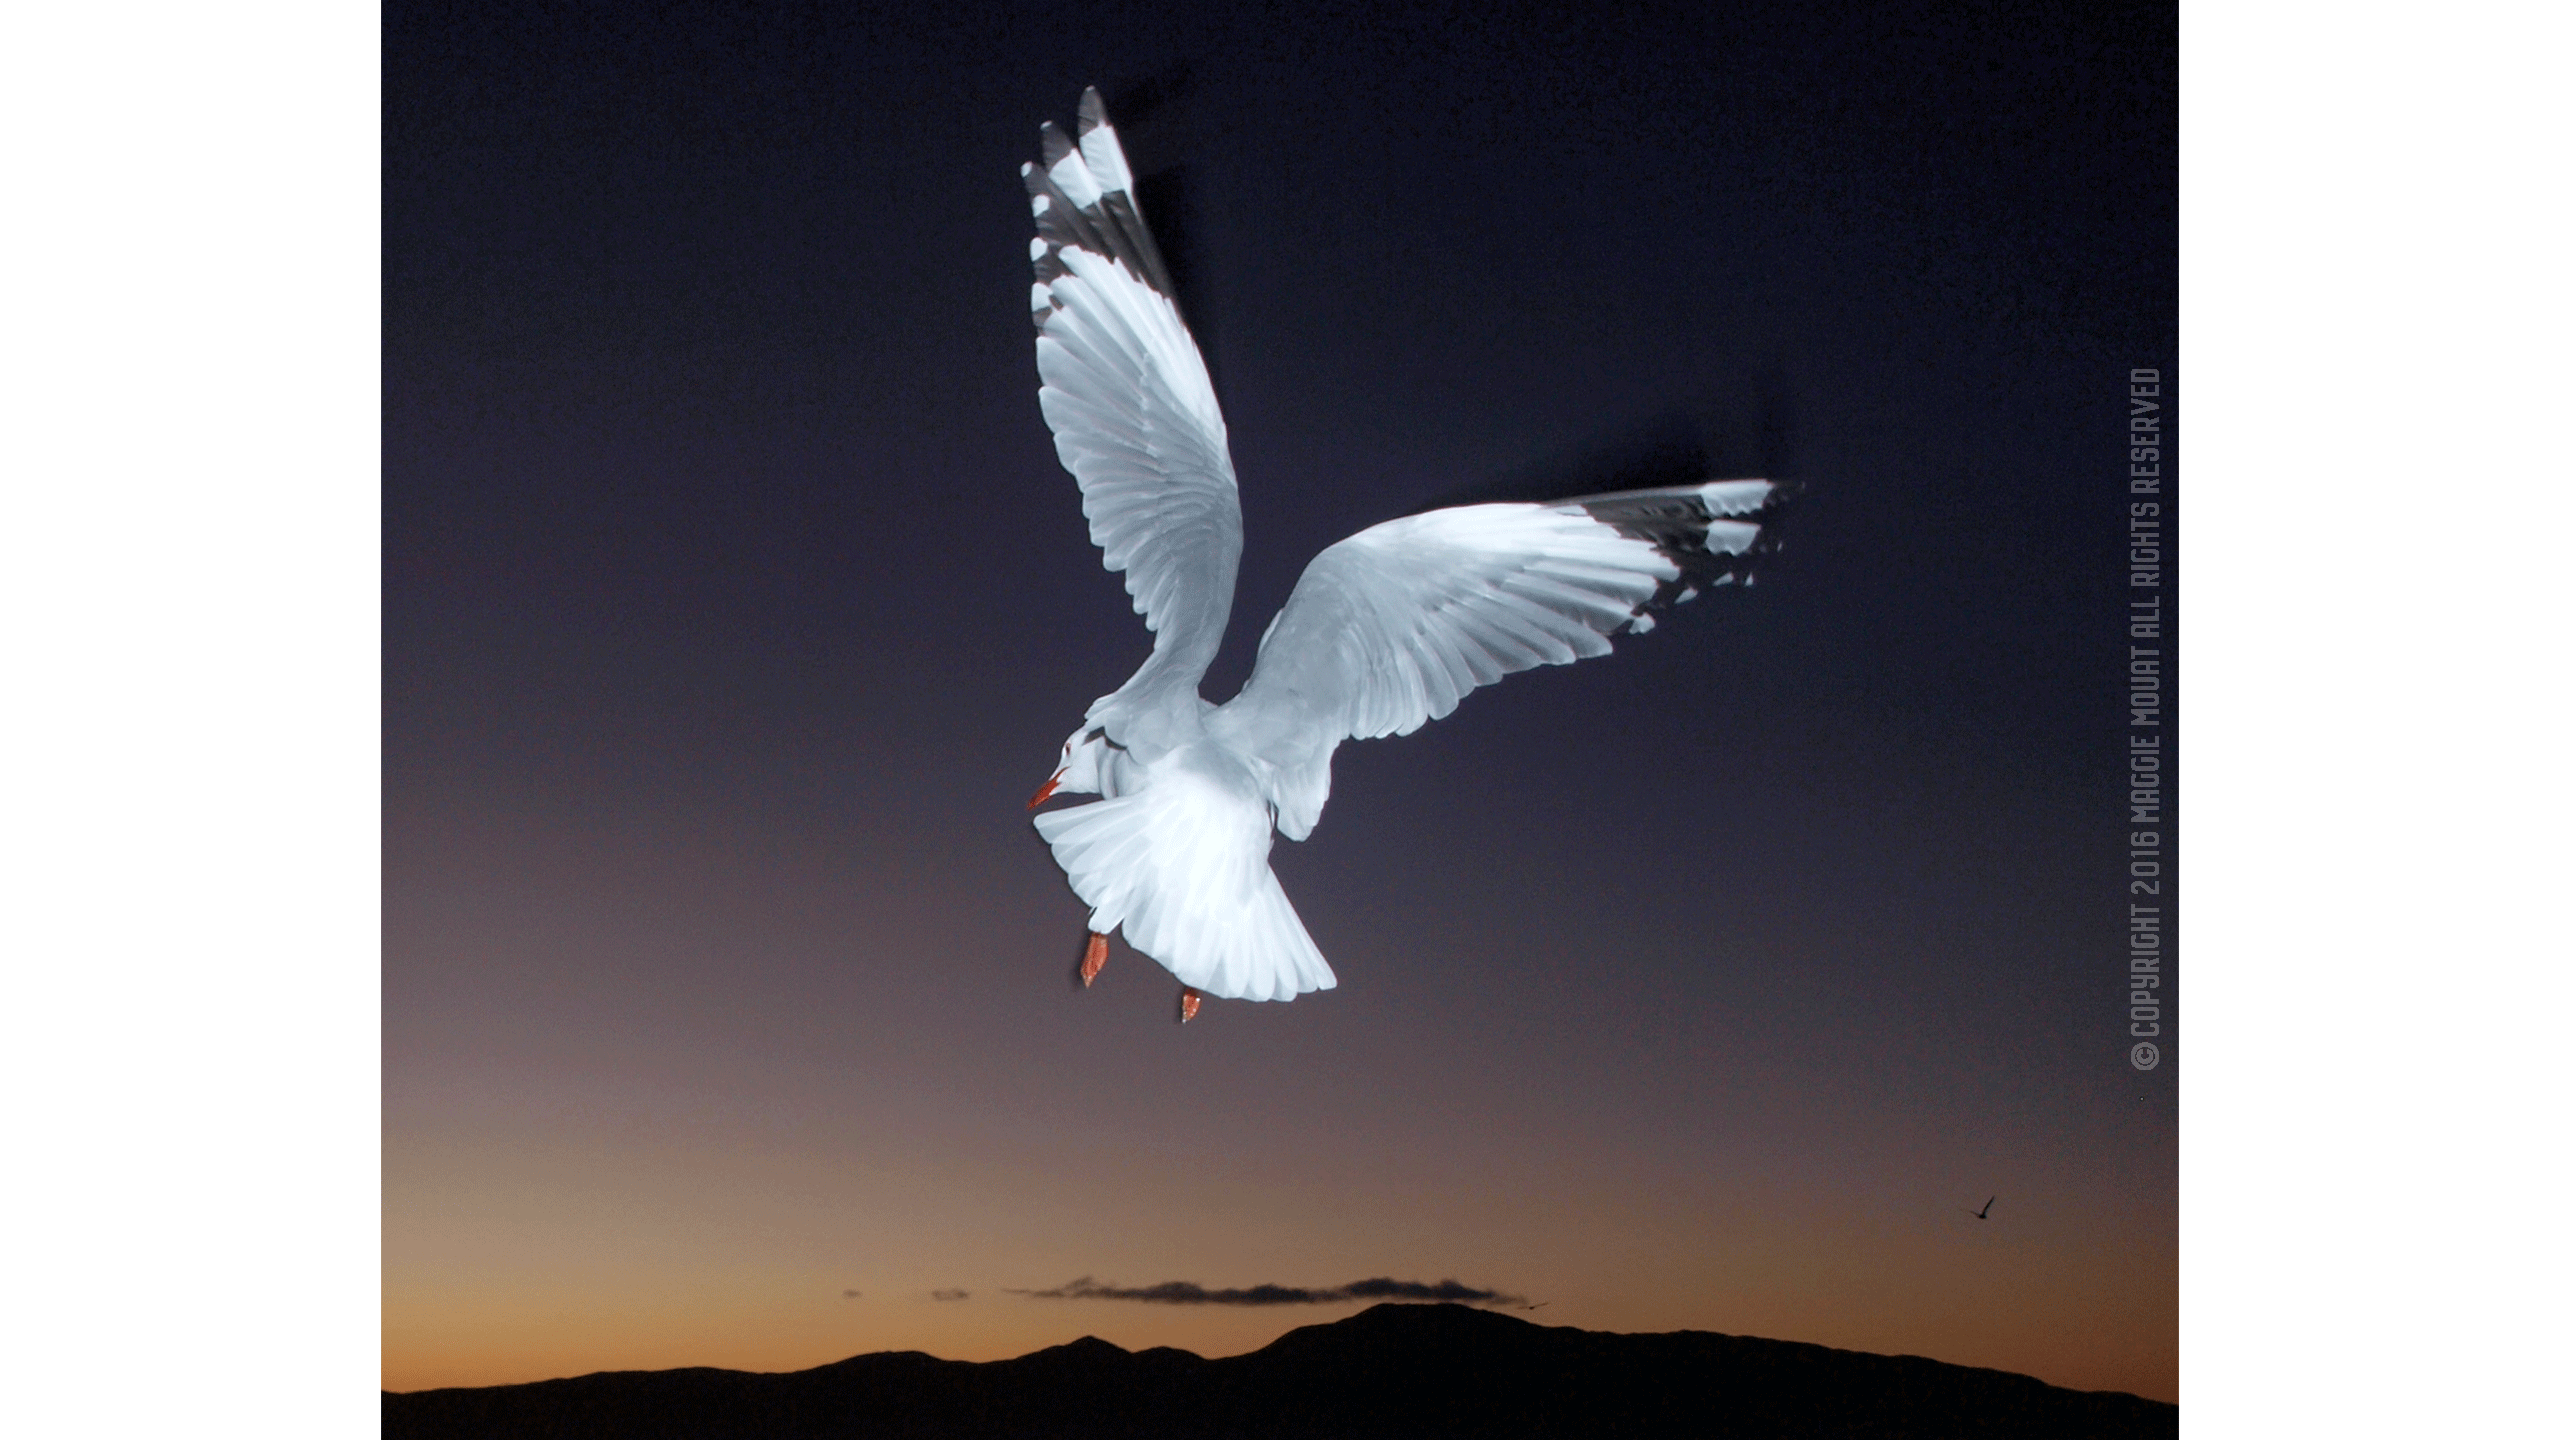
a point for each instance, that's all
(1047, 790)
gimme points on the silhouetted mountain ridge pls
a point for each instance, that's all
(1392, 1370)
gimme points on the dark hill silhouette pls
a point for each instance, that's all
(1390, 1371)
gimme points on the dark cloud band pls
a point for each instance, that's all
(1183, 1292)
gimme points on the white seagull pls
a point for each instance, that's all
(1384, 631)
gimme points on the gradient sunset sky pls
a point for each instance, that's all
(735, 602)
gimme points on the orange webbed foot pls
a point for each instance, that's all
(1097, 948)
(1190, 1004)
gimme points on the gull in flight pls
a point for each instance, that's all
(1385, 630)
(1985, 1212)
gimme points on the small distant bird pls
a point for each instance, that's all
(1386, 630)
(1985, 1212)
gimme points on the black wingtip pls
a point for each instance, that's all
(1109, 226)
(1090, 115)
(1678, 524)
(1054, 144)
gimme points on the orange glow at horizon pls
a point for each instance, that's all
(558, 1212)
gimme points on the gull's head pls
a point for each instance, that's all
(1079, 766)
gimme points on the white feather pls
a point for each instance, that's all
(1100, 150)
(1731, 537)
(1076, 181)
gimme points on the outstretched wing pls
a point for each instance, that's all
(1394, 626)
(1124, 390)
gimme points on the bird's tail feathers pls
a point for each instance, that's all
(1180, 868)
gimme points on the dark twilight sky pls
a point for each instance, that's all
(735, 601)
